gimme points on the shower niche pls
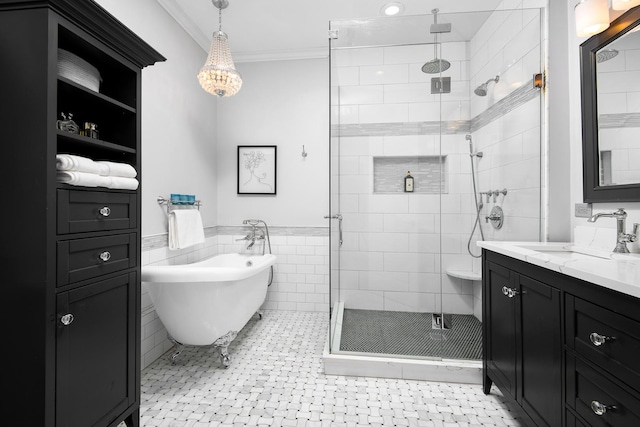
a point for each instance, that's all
(429, 174)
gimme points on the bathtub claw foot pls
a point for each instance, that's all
(176, 352)
(222, 344)
(225, 358)
(259, 313)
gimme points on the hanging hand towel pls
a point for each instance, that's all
(185, 228)
(71, 162)
(122, 183)
(82, 179)
(118, 169)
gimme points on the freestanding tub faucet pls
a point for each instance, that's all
(622, 237)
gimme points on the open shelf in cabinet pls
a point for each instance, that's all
(95, 149)
(115, 121)
(117, 80)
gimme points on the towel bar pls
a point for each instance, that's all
(170, 205)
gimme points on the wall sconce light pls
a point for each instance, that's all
(592, 17)
(218, 75)
(624, 4)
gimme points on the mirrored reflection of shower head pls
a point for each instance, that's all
(482, 89)
(605, 55)
(437, 65)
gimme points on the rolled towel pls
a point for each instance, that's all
(71, 162)
(122, 183)
(118, 169)
(82, 179)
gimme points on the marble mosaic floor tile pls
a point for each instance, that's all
(276, 378)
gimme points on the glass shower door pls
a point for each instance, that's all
(406, 281)
(334, 217)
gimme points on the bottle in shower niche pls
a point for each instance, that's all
(408, 183)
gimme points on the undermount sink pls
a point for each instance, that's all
(567, 252)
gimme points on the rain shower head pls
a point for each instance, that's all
(437, 65)
(605, 55)
(482, 89)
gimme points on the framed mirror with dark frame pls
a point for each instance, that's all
(610, 79)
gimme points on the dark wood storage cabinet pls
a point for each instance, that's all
(70, 255)
(562, 350)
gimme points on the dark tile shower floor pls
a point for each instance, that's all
(410, 334)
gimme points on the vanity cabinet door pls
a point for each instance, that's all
(500, 329)
(95, 357)
(540, 388)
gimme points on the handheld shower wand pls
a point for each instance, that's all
(479, 204)
(478, 154)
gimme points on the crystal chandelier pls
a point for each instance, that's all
(218, 75)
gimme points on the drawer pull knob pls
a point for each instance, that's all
(66, 319)
(600, 408)
(105, 256)
(105, 211)
(598, 340)
(509, 292)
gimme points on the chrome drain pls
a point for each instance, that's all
(440, 321)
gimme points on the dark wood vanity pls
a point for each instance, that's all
(562, 350)
(71, 255)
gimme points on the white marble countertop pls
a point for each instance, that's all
(619, 272)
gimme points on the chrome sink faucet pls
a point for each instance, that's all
(622, 237)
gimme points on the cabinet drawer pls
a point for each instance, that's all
(83, 211)
(608, 339)
(83, 259)
(587, 389)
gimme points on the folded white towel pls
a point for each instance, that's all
(122, 183)
(82, 179)
(71, 162)
(185, 228)
(118, 169)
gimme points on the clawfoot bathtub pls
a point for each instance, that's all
(208, 302)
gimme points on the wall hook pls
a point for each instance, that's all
(304, 153)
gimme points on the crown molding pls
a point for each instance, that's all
(186, 23)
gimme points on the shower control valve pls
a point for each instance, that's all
(496, 216)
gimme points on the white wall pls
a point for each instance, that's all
(633, 209)
(178, 117)
(283, 103)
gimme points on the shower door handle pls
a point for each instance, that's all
(339, 218)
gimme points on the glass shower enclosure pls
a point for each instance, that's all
(448, 100)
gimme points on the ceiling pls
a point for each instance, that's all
(294, 29)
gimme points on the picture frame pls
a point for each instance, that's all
(257, 169)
